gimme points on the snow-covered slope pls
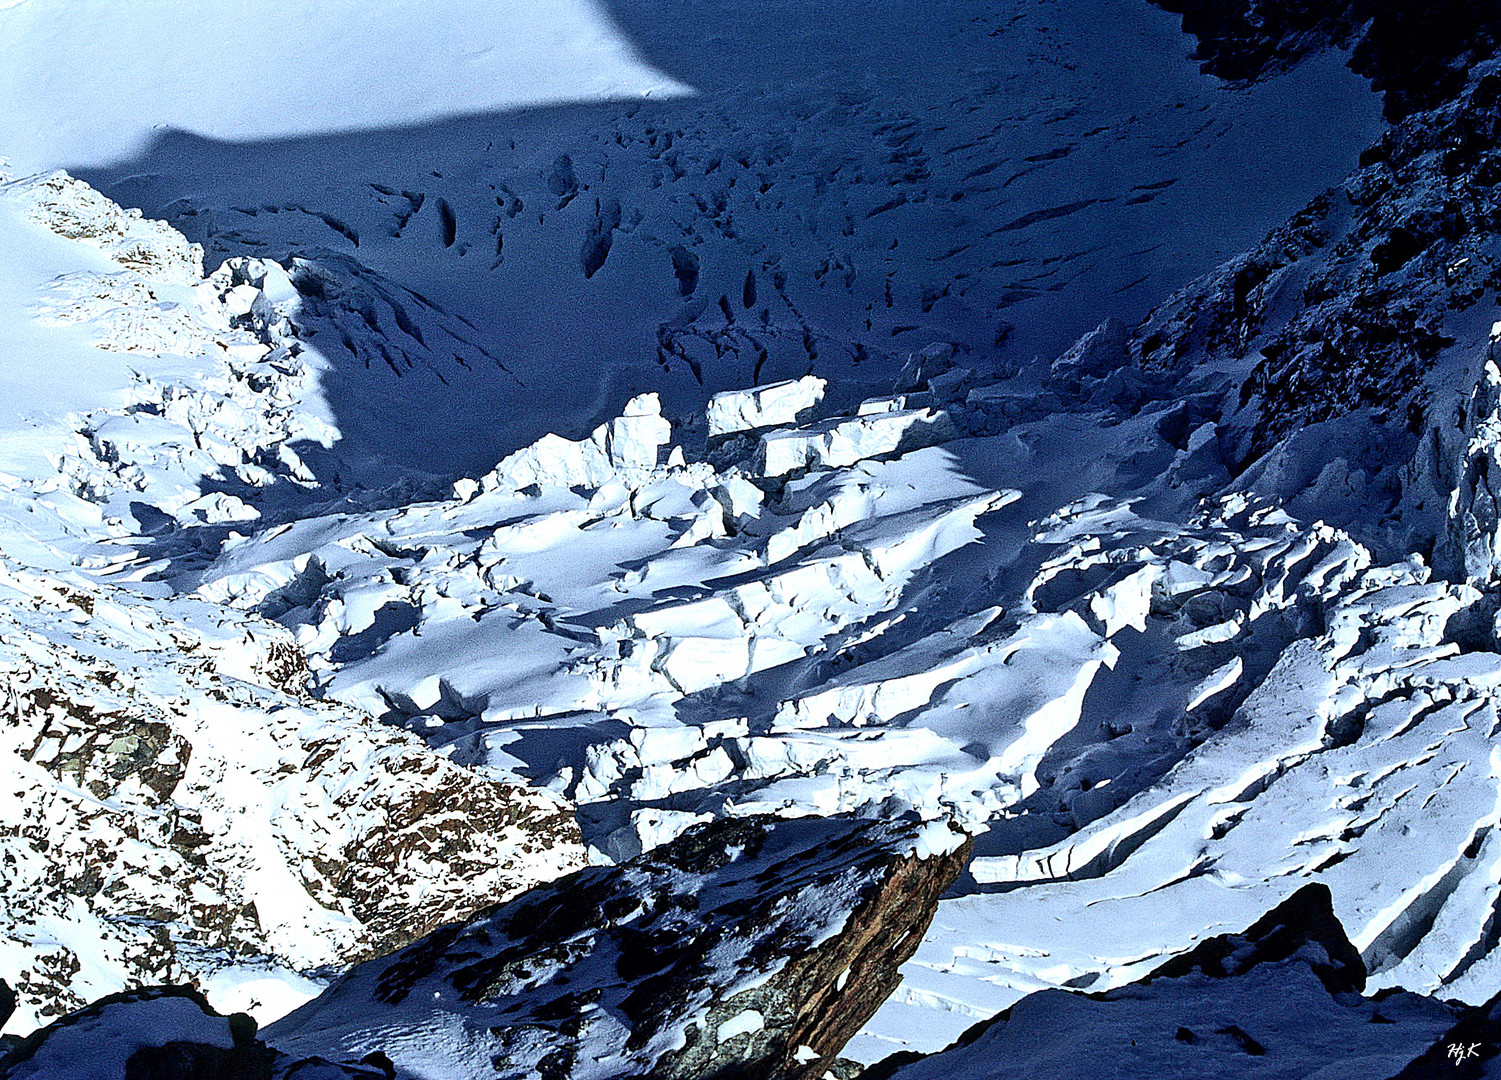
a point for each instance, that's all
(178, 806)
(848, 184)
(85, 82)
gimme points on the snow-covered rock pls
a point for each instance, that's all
(70, 208)
(167, 1033)
(757, 946)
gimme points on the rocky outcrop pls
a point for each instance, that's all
(1415, 53)
(1280, 999)
(1303, 927)
(180, 803)
(750, 948)
(1366, 308)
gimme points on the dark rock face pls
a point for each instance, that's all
(1255, 38)
(1279, 1000)
(1416, 53)
(749, 948)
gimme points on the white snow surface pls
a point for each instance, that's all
(88, 82)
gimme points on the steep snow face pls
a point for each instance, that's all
(160, 382)
(74, 259)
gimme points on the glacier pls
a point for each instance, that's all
(845, 568)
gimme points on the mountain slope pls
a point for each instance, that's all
(751, 456)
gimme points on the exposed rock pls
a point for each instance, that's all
(168, 812)
(1303, 927)
(1416, 54)
(1472, 540)
(72, 209)
(751, 948)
